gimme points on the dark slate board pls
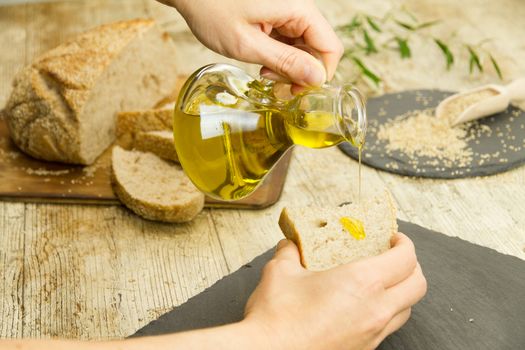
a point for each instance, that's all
(465, 282)
(508, 126)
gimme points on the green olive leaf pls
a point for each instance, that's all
(496, 67)
(474, 60)
(370, 45)
(449, 57)
(405, 25)
(373, 24)
(428, 24)
(352, 26)
(366, 71)
(404, 49)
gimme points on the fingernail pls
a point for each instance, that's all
(273, 76)
(315, 73)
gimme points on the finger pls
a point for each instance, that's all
(297, 89)
(407, 293)
(285, 60)
(394, 265)
(282, 38)
(321, 37)
(317, 36)
(395, 324)
(287, 250)
(269, 74)
(283, 91)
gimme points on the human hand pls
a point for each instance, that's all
(353, 306)
(263, 32)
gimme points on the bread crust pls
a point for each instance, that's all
(39, 121)
(290, 232)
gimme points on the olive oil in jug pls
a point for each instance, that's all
(230, 129)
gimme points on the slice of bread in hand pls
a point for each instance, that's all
(159, 143)
(324, 243)
(154, 188)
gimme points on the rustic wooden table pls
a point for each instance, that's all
(95, 272)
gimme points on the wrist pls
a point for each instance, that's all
(245, 334)
(259, 333)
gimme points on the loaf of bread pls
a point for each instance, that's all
(324, 242)
(153, 188)
(159, 143)
(63, 106)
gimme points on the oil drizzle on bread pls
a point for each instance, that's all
(354, 226)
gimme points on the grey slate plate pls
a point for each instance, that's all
(475, 299)
(500, 150)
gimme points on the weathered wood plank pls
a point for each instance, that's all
(12, 236)
(12, 216)
(99, 272)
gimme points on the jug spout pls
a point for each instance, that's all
(326, 116)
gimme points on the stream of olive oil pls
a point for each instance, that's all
(360, 151)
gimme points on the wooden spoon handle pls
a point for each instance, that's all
(516, 90)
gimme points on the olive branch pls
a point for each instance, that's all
(363, 32)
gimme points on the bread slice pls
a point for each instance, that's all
(159, 143)
(324, 243)
(63, 106)
(131, 123)
(153, 188)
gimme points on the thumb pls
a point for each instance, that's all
(287, 250)
(285, 60)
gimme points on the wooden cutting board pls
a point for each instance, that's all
(26, 179)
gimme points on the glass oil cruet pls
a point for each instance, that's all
(230, 129)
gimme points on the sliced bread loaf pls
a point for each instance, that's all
(153, 188)
(63, 105)
(159, 143)
(324, 242)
